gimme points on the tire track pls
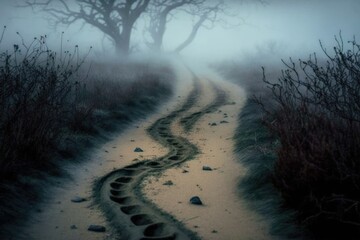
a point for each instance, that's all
(189, 121)
(119, 192)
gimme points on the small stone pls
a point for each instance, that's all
(196, 200)
(185, 171)
(213, 124)
(96, 228)
(214, 231)
(168, 183)
(78, 199)
(138, 150)
(206, 168)
(224, 121)
(73, 227)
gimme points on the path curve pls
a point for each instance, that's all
(119, 192)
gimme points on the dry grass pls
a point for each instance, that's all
(316, 117)
(254, 146)
(36, 90)
(312, 155)
(54, 108)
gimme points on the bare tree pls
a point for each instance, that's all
(205, 14)
(115, 18)
(162, 11)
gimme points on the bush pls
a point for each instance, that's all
(254, 147)
(35, 98)
(53, 108)
(45, 97)
(316, 116)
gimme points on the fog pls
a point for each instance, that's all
(280, 28)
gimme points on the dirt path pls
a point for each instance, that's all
(224, 214)
(133, 199)
(126, 205)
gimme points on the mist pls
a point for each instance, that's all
(112, 111)
(277, 29)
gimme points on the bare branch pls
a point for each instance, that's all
(206, 14)
(115, 18)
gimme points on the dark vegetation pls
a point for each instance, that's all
(310, 151)
(54, 107)
(316, 118)
(117, 19)
(255, 146)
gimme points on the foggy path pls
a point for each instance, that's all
(76, 73)
(145, 195)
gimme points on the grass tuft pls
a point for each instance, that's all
(302, 147)
(254, 146)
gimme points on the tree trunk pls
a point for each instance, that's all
(121, 47)
(122, 43)
(158, 42)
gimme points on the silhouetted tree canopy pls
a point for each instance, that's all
(117, 18)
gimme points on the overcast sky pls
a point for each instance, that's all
(282, 27)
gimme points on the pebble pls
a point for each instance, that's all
(138, 150)
(206, 168)
(96, 228)
(196, 200)
(78, 199)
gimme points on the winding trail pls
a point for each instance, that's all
(118, 193)
(129, 192)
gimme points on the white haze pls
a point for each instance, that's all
(281, 28)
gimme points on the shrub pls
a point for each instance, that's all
(315, 115)
(35, 98)
(53, 108)
(45, 98)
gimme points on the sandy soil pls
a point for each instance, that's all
(56, 218)
(224, 214)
